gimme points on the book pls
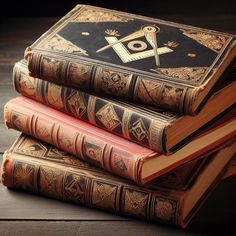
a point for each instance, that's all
(111, 152)
(132, 57)
(39, 168)
(157, 129)
(231, 171)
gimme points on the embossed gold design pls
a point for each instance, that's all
(171, 96)
(138, 130)
(92, 151)
(65, 141)
(164, 209)
(104, 195)
(76, 104)
(79, 74)
(112, 32)
(121, 165)
(23, 176)
(54, 95)
(107, 115)
(137, 45)
(171, 44)
(113, 82)
(58, 43)
(91, 15)
(135, 202)
(31, 147)
(214, 42)
(27, 84)
(50, 68)
(74, 188)
(148, 91)
(149, 32)
(43, 132)
(50, 182)
(193, 74)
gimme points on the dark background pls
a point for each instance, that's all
(42, 8)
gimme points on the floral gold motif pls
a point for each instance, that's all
(112, 32)
(104, 195)
(76, 104)
(214, 42)
(27, 84)
(54, 96)
(193, 74)
(50, 68)
(58, 43)
(92, 151)
(135, 202)
(107, 115)
(139, 130)
(91, 15)
(164, 209)
(171, 44)
(24, 176)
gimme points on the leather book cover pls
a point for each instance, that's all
(111, 152)
(132, 57)
(153, 128)
(40, 168)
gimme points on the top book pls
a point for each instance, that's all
(132, 57)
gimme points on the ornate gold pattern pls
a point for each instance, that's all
(112, 32)
(121, 165)
(193, 74)
(30, 147)
(74, 188)
(50, 182)
(58, 43)
(113, 82)
(164, 209)
(76, 104)
(148, 91)
(135, 202)
(79, 74)
(50, 68)
(138, 130)
(54, 95)
(171, 96)
(27, 84)
(104, 195)
(93, 152)
(107, 115)
(43, 132)
(23, 176)
(65, 141)
(91, 15)
(214, 42)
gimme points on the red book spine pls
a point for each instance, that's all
(79, 138)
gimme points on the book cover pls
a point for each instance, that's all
(107, 150)
(133, 57)
(37, 167)
(157, 129)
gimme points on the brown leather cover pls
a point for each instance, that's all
(38, 167)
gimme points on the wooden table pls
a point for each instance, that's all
(24, 214)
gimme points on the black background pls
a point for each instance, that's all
(42, 8)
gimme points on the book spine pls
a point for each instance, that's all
(103, 113)
(109, 81)
(56, 181)
(86, 146)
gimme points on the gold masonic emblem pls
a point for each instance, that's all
(149, 32)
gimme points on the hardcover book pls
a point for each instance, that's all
(157, 129)
(40, 168)
(146, 60)
(107, 150)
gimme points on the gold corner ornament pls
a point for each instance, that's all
(150, 33)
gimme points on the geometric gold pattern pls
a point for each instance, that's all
(77, 104)
(108, 117)
(138, 130)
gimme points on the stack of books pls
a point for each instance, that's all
(125, 113)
